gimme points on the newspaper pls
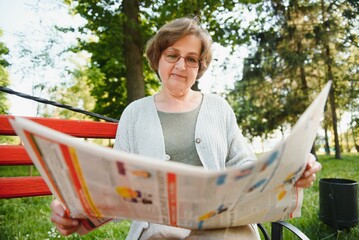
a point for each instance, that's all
(97, 183)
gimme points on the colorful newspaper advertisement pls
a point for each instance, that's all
(98, 183)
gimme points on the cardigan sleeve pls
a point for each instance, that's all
(122, 135)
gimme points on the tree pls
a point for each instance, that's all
(275, 77)
(290, 58)
(104, 29)
(4, 82)
(335, 35)
(4, 78)
(75, 92)
(121, 30)
(133, 51)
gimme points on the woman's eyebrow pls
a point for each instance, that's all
(177, 50)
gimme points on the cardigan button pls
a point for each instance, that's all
(198, 140)
(145, 225)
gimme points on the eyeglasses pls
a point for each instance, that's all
(173, 57)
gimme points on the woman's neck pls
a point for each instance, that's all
(166, 102)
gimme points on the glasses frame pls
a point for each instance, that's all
(179, 57)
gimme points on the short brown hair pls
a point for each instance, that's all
(171, 32)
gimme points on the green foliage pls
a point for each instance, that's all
(4, 77)
(107, 24)
(284, 72)
(76, 93)
(105, 74)
(4, 82)
(3, 51)
(288, 67)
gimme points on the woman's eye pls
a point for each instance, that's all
(192, 59)
(172, 55)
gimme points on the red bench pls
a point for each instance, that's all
(15, 155)
(29, 186)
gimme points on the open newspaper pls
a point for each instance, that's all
(98, 183)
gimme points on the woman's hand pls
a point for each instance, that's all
(308, 177)
(64, 224)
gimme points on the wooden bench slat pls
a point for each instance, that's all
(23, 187)
(12, 187)
(15, 155)
(77, 128)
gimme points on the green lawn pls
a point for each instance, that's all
(309, 223)
(28, 218)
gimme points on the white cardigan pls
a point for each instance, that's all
(219, 142)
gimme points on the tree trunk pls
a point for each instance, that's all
(346, 135)
(335, 122)
(354, 140)
(133, 52)
(333, 106)
(313, 151)
(327, 147)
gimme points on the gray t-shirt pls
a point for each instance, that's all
(179, 134)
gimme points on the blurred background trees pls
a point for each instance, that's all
(294, 48)
(4, 77)
(300, 46)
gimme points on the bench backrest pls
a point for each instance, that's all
(16, 155)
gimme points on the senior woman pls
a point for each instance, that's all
(182, 125)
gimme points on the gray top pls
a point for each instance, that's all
(179, 135)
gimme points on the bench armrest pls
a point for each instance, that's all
(277, 230)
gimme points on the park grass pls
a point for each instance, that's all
(28, 218)
(309, 223)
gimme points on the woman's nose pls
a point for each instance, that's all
(181, 64)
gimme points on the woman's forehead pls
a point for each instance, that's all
(189, 44)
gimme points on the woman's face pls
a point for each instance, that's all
(177, 78)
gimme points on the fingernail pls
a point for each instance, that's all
(75, 223)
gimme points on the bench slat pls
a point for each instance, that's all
(14, 155)
(77, 128)
(13, 187)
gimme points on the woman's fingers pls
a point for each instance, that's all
(309, 175)
(64, 224)
(313, 169)
(306, 182)
(67, 231)
(57, 208)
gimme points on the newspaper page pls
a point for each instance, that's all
(98, 183)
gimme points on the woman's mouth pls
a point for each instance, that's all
(177, 76)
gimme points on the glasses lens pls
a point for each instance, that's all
(173, 57)
(192, 61)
